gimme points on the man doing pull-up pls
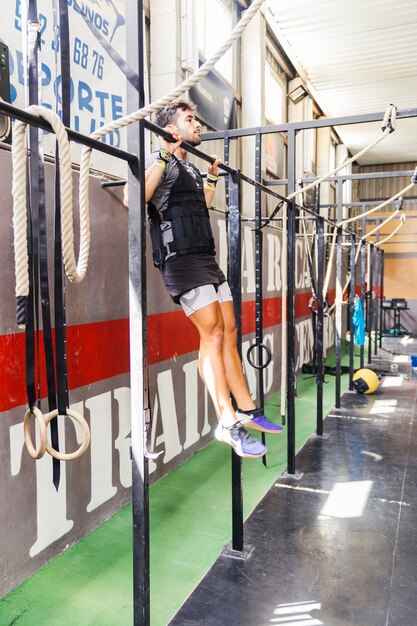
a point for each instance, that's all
(183, 250)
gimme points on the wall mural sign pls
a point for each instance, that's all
(98, 92)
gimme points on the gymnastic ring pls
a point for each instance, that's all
(62, 456)
(35, 453)
(314, 305)
(267, 350)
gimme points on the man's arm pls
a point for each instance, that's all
(211, 180)
(154, 173)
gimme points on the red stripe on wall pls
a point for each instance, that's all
(95, 352)
(100, 350)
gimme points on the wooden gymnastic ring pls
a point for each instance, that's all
(35, 453)
(62, 456)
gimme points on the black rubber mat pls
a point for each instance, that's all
(338, 546)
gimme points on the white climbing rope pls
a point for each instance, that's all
(159, 104)
(76, 271)
(388, 126)
(20, 213)
(402, 220)
(379, 226)
(358, 217)
(379, 207)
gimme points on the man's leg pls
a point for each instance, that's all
(247, 411)
(232, 361)
(209, 323)
(203, 310)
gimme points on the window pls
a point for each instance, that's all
(273, 97)
(274, 89)
(214, 25)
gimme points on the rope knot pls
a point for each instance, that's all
(390, 118)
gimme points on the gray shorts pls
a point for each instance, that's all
(197, 298)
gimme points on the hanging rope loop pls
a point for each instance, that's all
(314, 305)
(390, 119)
(75, 270)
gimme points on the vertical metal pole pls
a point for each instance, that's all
(138, 334)
(291, 378)
(363, 288)
(377, 294)
(259, 269)
(352, 294)
(236, 288)
(338, 314)
(381, 310)
(371, 299)
(259, 276)
(320, 323)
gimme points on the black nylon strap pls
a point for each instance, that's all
(30, 314)
(32, 324)
(59, 287)
(190, 210)
(38, 206)
(197, 243)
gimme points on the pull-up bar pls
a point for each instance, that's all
(202, 155)
(85, 140)
(233, 172)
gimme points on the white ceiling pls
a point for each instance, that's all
(358, 56)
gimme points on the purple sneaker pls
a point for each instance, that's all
(255, 420)
(240, 440)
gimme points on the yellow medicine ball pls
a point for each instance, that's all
(365, 381)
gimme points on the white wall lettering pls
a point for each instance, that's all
(269, 341)
(250, 372)
(191, 403)
(122, 443)
(164, 408)
(101, 449)
(248, 262)
(51, 505)
(273, 266)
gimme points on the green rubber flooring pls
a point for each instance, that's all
(190, 517)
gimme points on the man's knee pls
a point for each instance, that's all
(213, 330)
(230, 334)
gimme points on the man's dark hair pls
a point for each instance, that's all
(168, 114)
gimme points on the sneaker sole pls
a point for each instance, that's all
(261, 429)
(243, 456)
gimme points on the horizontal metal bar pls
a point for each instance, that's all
(306, 125)
(187, 146)
(365, 203)
(362, 176)
(113, 183)
(202, 155)
(263, 219)
(35, 120)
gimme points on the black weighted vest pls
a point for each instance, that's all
(186, 216)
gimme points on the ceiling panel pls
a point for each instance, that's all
(358, 56)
